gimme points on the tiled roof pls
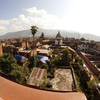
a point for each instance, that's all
(58, 35)
(13, 91)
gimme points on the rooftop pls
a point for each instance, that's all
(63, 80)
(58, 35)
(37, 77)
(13, 91)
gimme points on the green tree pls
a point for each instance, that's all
(7, 63)
(55, 61)
(10, 68)
(17, 76)
(66, 58)
(34, 30)
(45, 66)
(44, 84)
(32, 62)
(78, 60)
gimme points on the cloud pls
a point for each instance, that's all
(80, 17)
(3, 29)
(33, 16)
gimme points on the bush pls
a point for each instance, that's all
(66, 58)
(10, 68)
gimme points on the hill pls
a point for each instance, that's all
(49, 33)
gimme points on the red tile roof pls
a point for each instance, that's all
(13, 91)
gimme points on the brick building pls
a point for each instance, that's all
(1, 51)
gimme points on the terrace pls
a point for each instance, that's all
(63, 80)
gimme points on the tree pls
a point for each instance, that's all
(44, 84)
(42, 35)
(34, 30)
(66, 58)
(17, 76)
(78, 60)
(44, 66)
(55, 61)
(10, 68)
(32, 62)
(7, 63)
(82, 39)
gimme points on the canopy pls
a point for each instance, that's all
(19, 57)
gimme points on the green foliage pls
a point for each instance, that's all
(56, 51)
(17, 76)
(32, 62)
(53, 64)
(34, 30)
(91, 84)
(45, 66)
(42, 35)
(78, 60)
(62, 59)
(86, 85)
(10, 68)
(66, 58)
(7, 63)
(44, 84)
(55, 61)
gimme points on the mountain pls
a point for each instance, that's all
(49, 33)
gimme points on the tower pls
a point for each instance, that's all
(59, 39)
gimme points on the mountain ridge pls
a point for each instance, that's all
(50, 33)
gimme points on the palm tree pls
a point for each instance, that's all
(34, 30)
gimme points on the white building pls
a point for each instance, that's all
(58, 40)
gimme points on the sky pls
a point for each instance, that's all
(72, 15)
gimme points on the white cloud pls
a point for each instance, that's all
(2, 29)
(81, 16)
(33, 17)
(35, 12)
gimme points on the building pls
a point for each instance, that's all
(22, 44)
(44, 52)
(1, 51)
(97, 46)
(27, 53)
(58, 40)
(41, 38)
(83, 47)
(10, 49)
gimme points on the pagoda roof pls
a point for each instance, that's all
(58, 35)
